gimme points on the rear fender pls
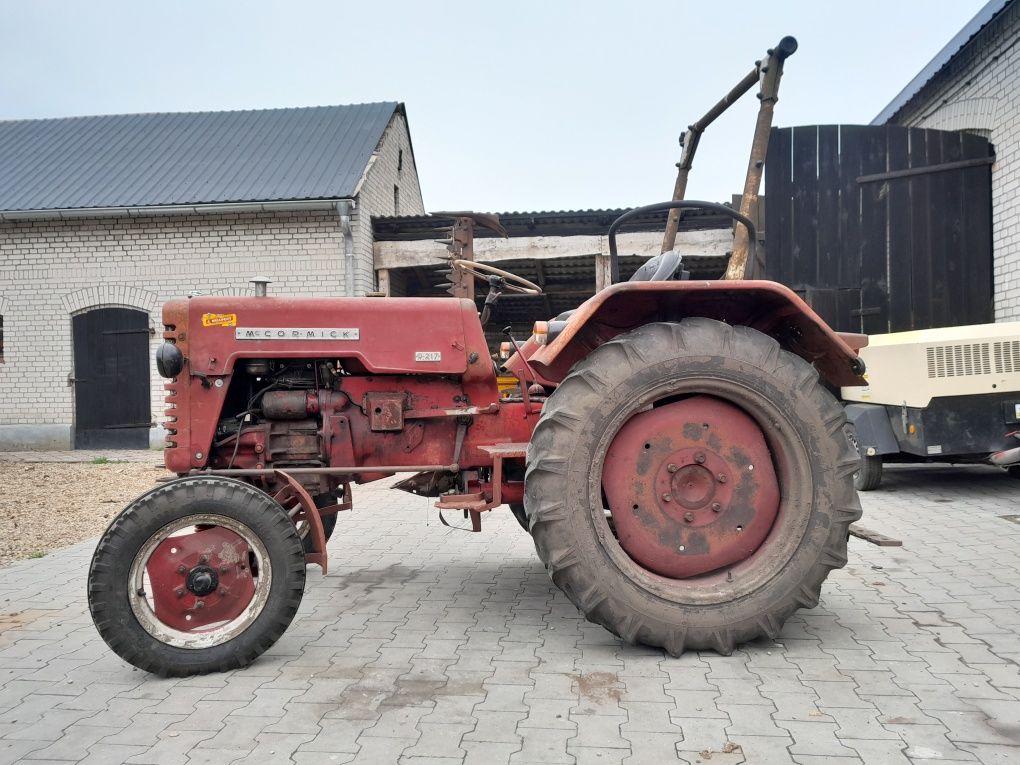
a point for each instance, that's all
(768, 307)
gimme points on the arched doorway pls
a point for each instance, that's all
(111, 379)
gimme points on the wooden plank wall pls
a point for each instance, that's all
(888, 255)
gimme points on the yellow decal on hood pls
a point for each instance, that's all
(219, 319)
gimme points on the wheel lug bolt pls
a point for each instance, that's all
(204, 559)
(179, 592)
(721, 478)
(222, 592)
(716, 507)
(672, 468)
(182, 570)
(689, 517)
(224, 568)
(199, 603)
(699, 458)
(667, 497)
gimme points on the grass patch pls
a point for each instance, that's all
(37, 554)
(107, 461)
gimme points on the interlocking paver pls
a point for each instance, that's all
(426, 646)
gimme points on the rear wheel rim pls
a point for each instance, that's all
(199, 581)
(791, 461)
(691, 486)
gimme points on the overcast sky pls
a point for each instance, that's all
(516, 105)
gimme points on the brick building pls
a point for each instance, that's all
(973, 85)
(102, 219)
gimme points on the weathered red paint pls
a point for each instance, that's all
(213, 547)
(301, 507)
(413, 386)
(691, 487)
(766, 306)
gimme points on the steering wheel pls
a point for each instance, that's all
(514, 283)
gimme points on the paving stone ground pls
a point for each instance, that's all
(431, 646)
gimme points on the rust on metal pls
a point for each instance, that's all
(695, 519)
(766, 306)
(767, 73)
(200, 578)
(771, 71)
(294, 498)
(385, 410)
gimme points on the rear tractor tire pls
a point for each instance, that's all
(689, 486)
(201, 574)
(328, 522)
(517, 508)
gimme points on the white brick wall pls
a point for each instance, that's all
(52, 269)
(393, 166)
(980, 91)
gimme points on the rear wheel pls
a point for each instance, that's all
(198, 575)
(689, 485)
(517, 508)
(328, 522)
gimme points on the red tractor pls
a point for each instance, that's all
(682, 468)
(672, 448)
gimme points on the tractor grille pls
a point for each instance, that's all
(970, 359)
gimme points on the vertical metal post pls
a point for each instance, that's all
(689, 140)
(771, 72)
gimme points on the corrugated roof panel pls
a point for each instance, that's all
(140, 160)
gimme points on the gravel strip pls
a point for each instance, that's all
(49, 505)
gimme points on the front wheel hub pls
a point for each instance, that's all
(691, 487)
(202, 580)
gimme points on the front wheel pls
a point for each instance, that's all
(198, 575)
(689, 485)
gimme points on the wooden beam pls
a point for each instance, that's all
(493, 250)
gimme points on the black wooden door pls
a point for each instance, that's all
(111, 379)
(881, 228)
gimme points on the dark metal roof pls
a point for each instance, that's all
(141, 160)
(545, 223)
(991, 9)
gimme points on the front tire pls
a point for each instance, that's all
(201, 574)
(643, 599)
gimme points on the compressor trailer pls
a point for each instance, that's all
(938, 395)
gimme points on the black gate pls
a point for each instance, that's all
(111, 379)
(881, 228)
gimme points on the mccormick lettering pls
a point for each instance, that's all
(297, 333)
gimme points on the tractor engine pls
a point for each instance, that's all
(279, 424)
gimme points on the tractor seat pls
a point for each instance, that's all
(662, 268)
